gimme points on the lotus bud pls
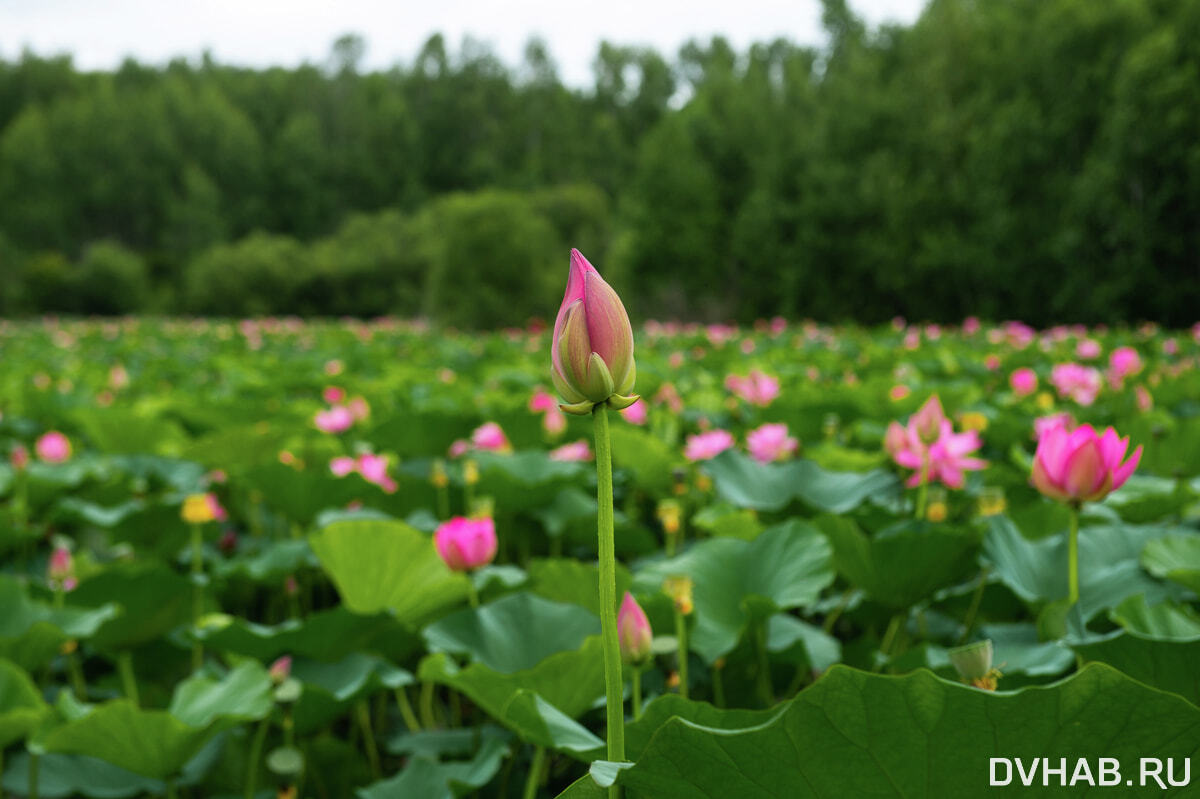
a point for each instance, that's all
(633, 631)
(280, 670)
(927, 421)
(466, 544)
(973, 663)
(60, 571)
(592, 349)
(680, 591)
(1081, 465)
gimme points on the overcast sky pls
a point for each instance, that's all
(100, 33)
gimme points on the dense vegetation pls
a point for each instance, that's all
(1037, 159)
(221, 576)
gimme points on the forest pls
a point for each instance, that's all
(1032, 159)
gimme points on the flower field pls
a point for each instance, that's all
(333, 559)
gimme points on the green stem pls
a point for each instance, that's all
(832, 618)
(34, 763)
(171, 792)
(637, 693)
(972, 611)
(128, 681)
(443, 502)
(534, 778)
(682, 652)
(1073, 556)
(885, 648)
(427, 720)
(406, 711)
(613, 684)
(765, 690)
(197, 595)
(256, 747)
(718, 686)
(77, 681)
(363, 713)
(472, 594)
(922, 494)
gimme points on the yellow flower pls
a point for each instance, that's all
(437, 475)
(680, 590)
(992, 502)
(936, 512)
(197, 509)
(668, 514)
(973, 420)
(1044, 401)
(470, 472)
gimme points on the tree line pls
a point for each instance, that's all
(1037, 159)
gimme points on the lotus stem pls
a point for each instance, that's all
(128, 680)
(613, 684)
(637, 693)
(256, 747)
(197, 595)
(363, 714)
(406, 711)
(681, 638)
(534, 779)
(1073, 556)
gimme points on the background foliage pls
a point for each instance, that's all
(1037, 159)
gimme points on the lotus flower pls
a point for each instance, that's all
(1078, 382)
(202, 508)
(465, 544)
(1023, 381)
(576, 451)
(635, 413)
(60, 571)
(1081, 465)
(280, 670)
(933, 452)
(373, 469)
(770, 442)
(592, 351)
(704, 446)
(1123, 363)
(53, 447)
(337, 419)
(633, 631)
(490, 437)
(757, 388)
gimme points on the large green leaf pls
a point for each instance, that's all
(1164, 621)
(568, 580)
(1174, 557)
(21, 705)
(1172, 665)
(769, 486)
(430, 779)
(570, 681)
(378, 565)
(735, 581)
(649, 458)
(153, 600)
(325, 635)
(902, 565)
(915, 736)
(525, 480)
(1109, 571)
(514, 633)
(33, 632)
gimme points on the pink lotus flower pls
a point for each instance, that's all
(333, 395)
(929, 446)
(465, 544)
(635, 413)
(592, 347)
(343, 465)
(1088, 349)
(542, 401)
(1077, 382)
(280, 670)
(359, 409)
(1044, 424)
(60, 571)
(1123, 363)
(757, 388)
(53, 447)
(337, 419)
(459, 448)
(633, 631)
(948, 457)
(1081, 465)
(703, 446)
(1144, 399)
(19, 457)
(373, 469)
(576, 451)
(927, 421)
(770, 442)
(1023, 381)
(489, 437)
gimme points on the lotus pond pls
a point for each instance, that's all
(220, 576)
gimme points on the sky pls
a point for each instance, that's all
(99, 34)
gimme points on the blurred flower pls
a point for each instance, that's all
(280, 670)
(53, 447)
(553, 419)
(1124, 362)
(633, 631)
(898, 392)
(19, 457)
(1044, 424)
(337, 419)
(973, 420)
(702, 446)
(1144, 399)
(757, 388)
(1081, 465)
(465, 544)
(669, 396)
(334, 367)
(1023, 381)
(991, 362)
(679, 588)
(1088, 349)
(373, 469)
(575, 451)
(359, 409)
(669, 513)
(459, 448)
(970, 325)
(489, 437)
(592, 347)
(333, 395)
(202, 508)
(1077, 382)
(770, 442)
(342, 465)
(928, 445)
(635, 413)
(60, 571)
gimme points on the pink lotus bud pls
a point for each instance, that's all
(280, 670)
(635, 413)
(359, 409)
(757, 388)
(1023, 381)
(459, 448)
(342, 465)
(60, 571)
(927, 421)
(575, 451)
(1088, 349)
(633, 631)
(333, 395)
(592, 348)
(771, 442)
(53, 447)
(490, 437)
(1080, 465)
(374, 469)
(19, 458)
(704, 446)
(337, 419)
(466, 544)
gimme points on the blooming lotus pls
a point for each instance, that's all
(465, 544)
(1123, 363)
(1023, 381)
(592, 349)
(770, 442)
(490, 437)
(1081, 465)
(337, 419)
(374, 469)
(635, 413)
(757, 388)
(1077, 382)
(929, 446)
(60, 571)
(576, 451)
(53, 447)
(633, 631)
(703, 446)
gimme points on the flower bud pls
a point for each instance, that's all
(202, 508)
(466, 544)
(633, 631)
(592, 348)
(60, 571)
(53, 447)
(280, 670)
(680, 590)
(973, 663)
(1081, 465)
